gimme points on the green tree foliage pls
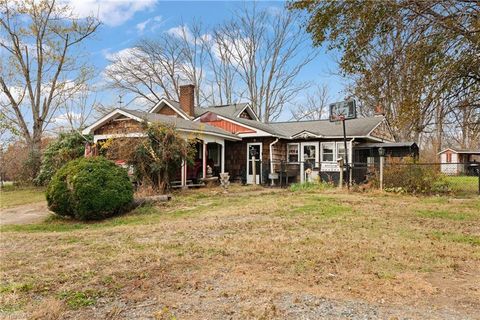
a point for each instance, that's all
(68, 146)
(418, 59)
(157, 158)
(89, 189)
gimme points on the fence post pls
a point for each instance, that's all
(254, 170)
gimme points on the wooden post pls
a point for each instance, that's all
(340, 180)
(254, 170)
(222, 165)
(381, 173)
(204, 160)
(183, 179)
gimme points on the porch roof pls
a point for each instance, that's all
(387, 145)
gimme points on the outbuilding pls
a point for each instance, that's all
(459, 161)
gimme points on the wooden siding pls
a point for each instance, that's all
(119, 126)
(245, 115)
(229, 126)
(236, 154)
(166, 110)
(383, 132)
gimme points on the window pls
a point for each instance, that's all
(292, 152)
(213, 152)
(449, 157)
(341, 151)
(328, 151)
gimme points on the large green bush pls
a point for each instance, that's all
(89, 189)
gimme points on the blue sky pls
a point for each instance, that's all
(124, 24)
(127, 21)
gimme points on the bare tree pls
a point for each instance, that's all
(222, 84)
(155, 68)
(315, 106)
(255, 55)
(75, 111)
(270, 52)
(39, 71)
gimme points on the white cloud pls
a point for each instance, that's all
(154, 23)
(181, 32)
(141, 26)
(111, 12)
(126, 54)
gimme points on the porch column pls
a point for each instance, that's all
(204, 159)
(222, 165)
(183, 180)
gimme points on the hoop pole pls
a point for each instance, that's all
(347, 173)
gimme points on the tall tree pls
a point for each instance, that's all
(39, 69)
(256, 56)
(314, 107)
(270, 51)
(419, 59)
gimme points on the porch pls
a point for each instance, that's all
(208, 163)
(282, 161)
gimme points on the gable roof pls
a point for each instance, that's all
(253, 124)
(359, 127)
(174, 105)
(455, 150)
(228, 110)
(179, 123)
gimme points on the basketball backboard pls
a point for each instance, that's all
(343, 110)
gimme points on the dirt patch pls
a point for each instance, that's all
(24, 214)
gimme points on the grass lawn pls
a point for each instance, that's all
(463, 185)
(252, 253)
(11, 196)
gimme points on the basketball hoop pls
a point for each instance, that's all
(344, 110)
(339, 113)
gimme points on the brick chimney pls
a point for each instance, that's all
(187, 99)
(379, 110)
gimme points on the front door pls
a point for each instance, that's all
(254, 149)
(309, 160)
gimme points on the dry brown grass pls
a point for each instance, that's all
(243, 254)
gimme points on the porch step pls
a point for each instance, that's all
(189, 185)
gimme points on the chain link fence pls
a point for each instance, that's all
(461, 179)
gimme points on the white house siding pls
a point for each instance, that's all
(452, 168)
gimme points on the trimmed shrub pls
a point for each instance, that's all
(89, 189)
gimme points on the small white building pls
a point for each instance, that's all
(458, 161)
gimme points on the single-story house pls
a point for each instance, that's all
(229, 135)
(456, 161)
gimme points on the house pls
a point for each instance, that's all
(228, 136)
(459, 161)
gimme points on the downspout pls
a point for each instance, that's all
(271, 158)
